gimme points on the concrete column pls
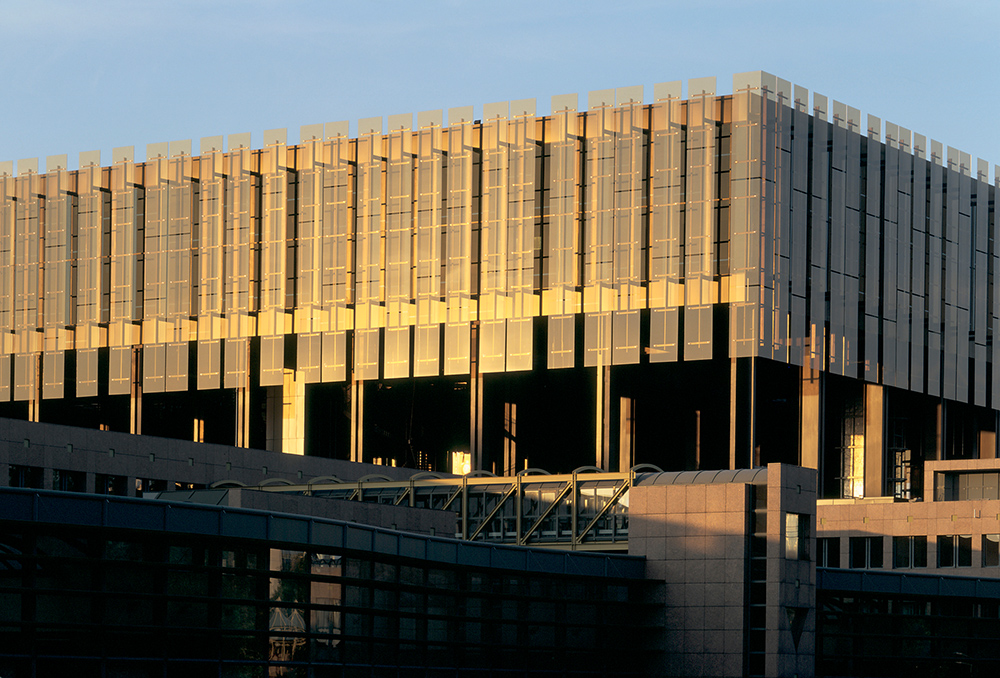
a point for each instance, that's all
(626, 433)
(476, 419)
(602, 423)
(606, 417)
(874, 440)
(755, 459)
(476, 460)
(294, 405)
(989, 447)
(357, 419)
(242, 417)
(732, 413)
(242, 385)
(135, 394)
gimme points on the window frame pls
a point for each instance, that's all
(871, 554)
(823, 552)
(915, 550)
(954, 550)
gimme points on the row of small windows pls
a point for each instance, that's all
(966, 486)
(33, 477)
(953, 550)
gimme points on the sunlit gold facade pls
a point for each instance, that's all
(759, 231)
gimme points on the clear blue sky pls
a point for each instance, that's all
(81, 75)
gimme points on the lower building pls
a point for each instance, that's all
(403, 573)
(196, 583)
(106, 586)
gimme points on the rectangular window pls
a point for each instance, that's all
(828, 552)
(858, 557)
(865, 552)
(110, 484)
(901, 552)
(797, 535)
(852, 450)
(946, 550)
(179, 487)
(991, 550)
(991, 487)
(954, 550)
(964, 555)
(902, 473)
(26, 476)
(149, 485)
(875, 552)
(69, 481)
(920, 551)
(909, 552)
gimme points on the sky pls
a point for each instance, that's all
(83, 75)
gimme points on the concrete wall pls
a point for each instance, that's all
(696, 538)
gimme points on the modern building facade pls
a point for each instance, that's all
(751, 333)
(689, 279)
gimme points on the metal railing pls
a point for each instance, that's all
(583, 510)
